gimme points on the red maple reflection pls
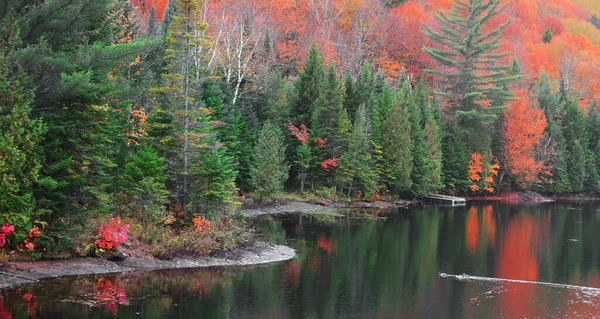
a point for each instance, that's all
(110, 294)
(292, 270)
(325, 244)
(4, 312)
(31, 306)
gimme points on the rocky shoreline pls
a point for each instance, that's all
(258, 252)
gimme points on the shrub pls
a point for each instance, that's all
(112, 234)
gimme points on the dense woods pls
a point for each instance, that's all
(169, 114)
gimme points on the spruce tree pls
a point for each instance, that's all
(593, 129)
(555, 151)
(20, 135)
(145, 178)
(547, 37)
(455, 164)
(417, 136)
(183, 77)
(576, 141)
(330, 120)
(214, 186)
(397, 146)
(474, 84)
(77, 61)
(307, 88)
(270, 170)
(433, 138)
(357, 168)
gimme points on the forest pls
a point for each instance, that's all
(158, 118)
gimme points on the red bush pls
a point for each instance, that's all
(112, 234)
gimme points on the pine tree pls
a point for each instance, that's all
(181, 91)
(357, 169)
(576, 140)
(20, 136)
(77, 61)
(593, 129)
(474, 83)
(397, 146)
(145, 183)
(270, 170)
(547, 37)
(307, 88)
(553, 140)
(455, 164)
(330, 120)
(433, 138)
(215, 182)
(361, 92)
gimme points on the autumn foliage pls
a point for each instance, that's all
(521, 132)
(111, 234)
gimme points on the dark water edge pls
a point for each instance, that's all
(366, 263)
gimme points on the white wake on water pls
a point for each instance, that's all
(464, 277)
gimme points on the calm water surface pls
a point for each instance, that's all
(369, 264)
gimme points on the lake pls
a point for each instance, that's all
(538, 261)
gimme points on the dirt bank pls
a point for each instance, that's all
(258, 252)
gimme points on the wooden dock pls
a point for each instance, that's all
(445, 200)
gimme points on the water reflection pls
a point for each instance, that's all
(365, 264)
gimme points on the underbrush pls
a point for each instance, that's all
(170, 242)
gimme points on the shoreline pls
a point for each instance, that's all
(256, 253)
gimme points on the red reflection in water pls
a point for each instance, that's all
(291, 272)
(110, 294)
(517, 260)
(31, 306)
(490, 224)
(202, 289)
(472, 230)
(325, 244)
(593, 280)
(4, 312)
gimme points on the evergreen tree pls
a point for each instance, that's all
(574, 131)
(20, 135)
(474, 83)
(181, 93)
(361, 92)
(555, 152)
(417, 136)
(270, 170)
(593, 129)
(145, 183)
(215, 185)
(547, 37)
(307, 88)
(455, 164)
(397, 146)
(330, 120)
(357, 169)
(77, 61)
(433, 138)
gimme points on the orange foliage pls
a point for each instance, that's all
(489, 180)
(522, 129)
(475, 170)
(350, 31)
